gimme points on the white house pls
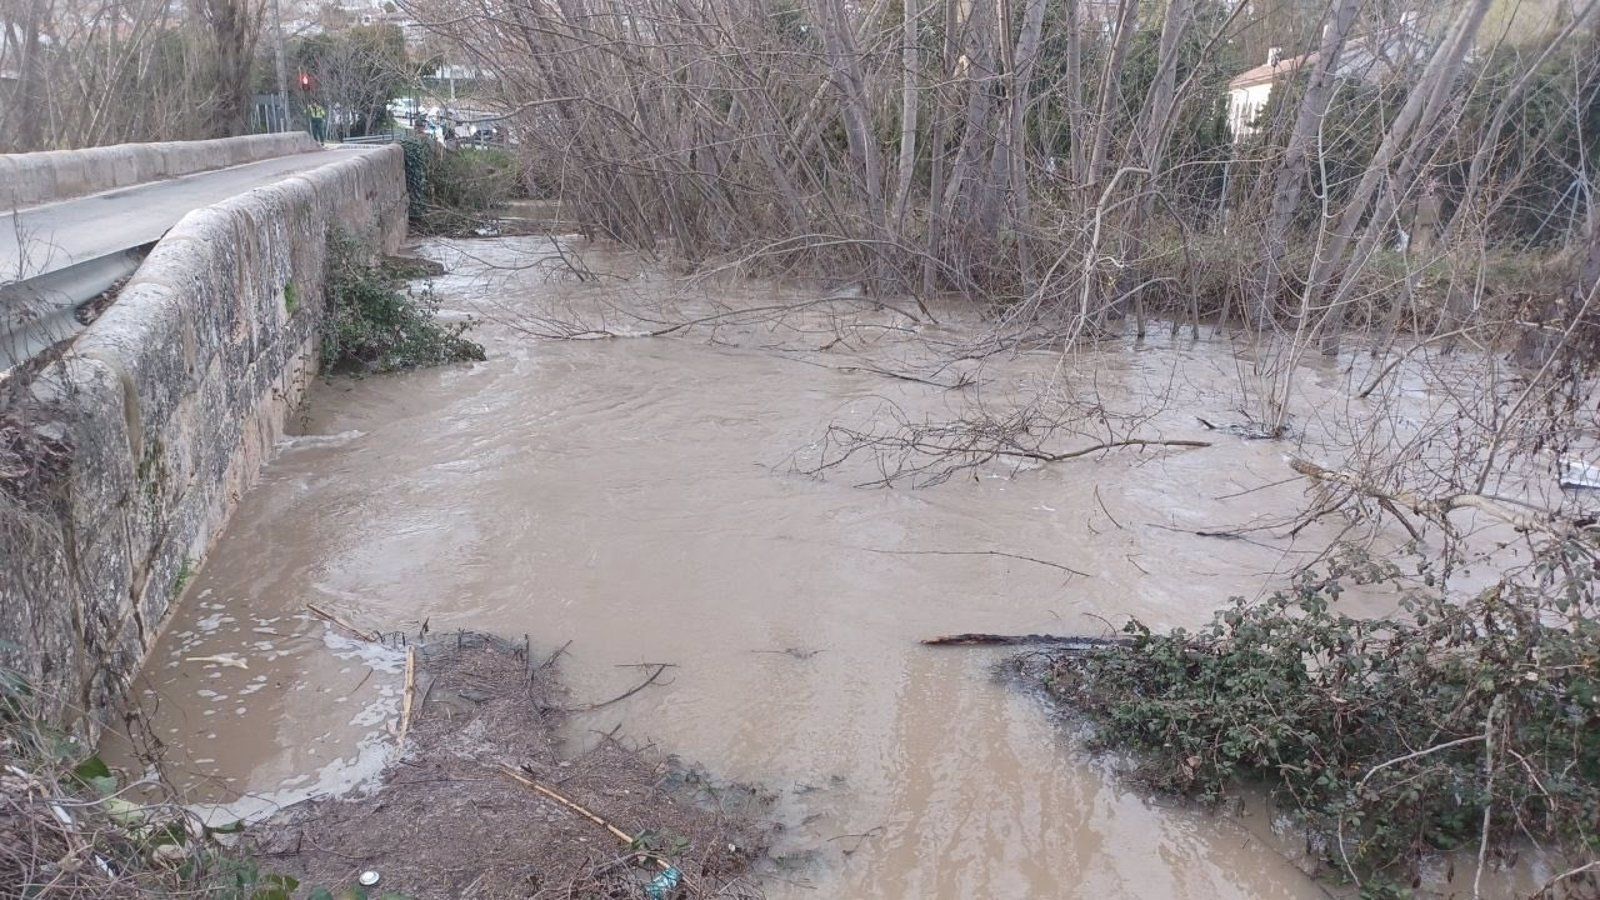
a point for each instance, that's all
(1249, 91)
(1374, 57)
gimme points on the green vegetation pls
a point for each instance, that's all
(474, 180)
(456, 191)
(70, 826)
(419, 165)
(184, 576)
(1450, 726)
(375, 323)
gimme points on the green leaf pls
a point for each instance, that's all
(276, 887)
(90, 769)
(124, 812)
(173, 833)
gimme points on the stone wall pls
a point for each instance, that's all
(168, 405)
(27, 179)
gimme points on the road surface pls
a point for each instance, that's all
(42, 239)
(56, 256)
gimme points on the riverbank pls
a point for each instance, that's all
(1448, 746)
(479, 798)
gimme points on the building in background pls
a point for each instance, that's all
(1250, 90)
(1374, 57)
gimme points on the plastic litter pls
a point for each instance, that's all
(368, 878)
(1576, 473)
(664, 884)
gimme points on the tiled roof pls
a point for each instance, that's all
(1266, 74)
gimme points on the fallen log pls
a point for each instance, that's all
(1065, 642)
(1518, 514)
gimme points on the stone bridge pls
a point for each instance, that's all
(141, 429)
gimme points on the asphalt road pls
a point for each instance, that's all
(43, 239)
(56, 256)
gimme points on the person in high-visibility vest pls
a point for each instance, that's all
(319, 122)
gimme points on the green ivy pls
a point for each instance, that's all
(375, 323)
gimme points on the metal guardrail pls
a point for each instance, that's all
(386, 138)
(37, 313)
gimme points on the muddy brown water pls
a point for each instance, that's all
(639, 498)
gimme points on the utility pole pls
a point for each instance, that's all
(283, 80)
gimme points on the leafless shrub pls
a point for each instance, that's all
(91, 73)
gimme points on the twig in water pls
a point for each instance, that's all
(1042, 562)
(1570, 873)
(1103, 508)
(370, 637)
(859, 838)
(660, 667)
(796, 652)
(553, 657)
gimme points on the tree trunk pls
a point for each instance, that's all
(938, 140)
(1154, 136)
(856, 115)
(1423, 106)
(27, 127)
(908, 110)
(1291, 172)
(233, 28)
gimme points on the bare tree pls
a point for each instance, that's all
(107, 71)
(232, 27)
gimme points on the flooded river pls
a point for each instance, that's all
(646, 499)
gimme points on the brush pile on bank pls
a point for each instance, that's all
(483, 803)
(1451, 726)
(375, 322)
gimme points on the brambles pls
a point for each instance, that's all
(374, 323)
(1450, 725)
(456, 191)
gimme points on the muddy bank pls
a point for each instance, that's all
(456, 813)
